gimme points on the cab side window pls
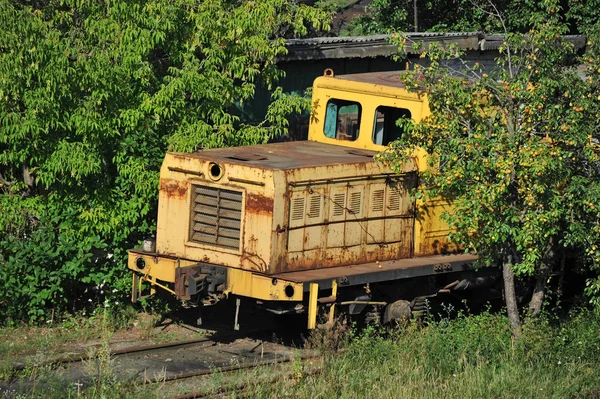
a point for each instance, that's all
(385, 130)
(342, 119)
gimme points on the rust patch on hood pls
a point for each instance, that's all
(256, 203)
(173, 188)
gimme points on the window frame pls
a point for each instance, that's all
(354, 123)
(387, 139)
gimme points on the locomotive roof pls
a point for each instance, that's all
(287, 155)
(387, 78)
(384, 84)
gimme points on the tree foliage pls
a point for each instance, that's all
(92, 94)
(516, 149)
(383, 16)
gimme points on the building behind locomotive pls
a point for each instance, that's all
(285, 223)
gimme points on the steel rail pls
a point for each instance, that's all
(242, 387)
(229, 369)
(125, 351)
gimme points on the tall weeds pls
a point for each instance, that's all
(464, 357)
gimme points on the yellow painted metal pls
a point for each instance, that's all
(157, 267)
(252, 285)
(154, 283)
(370, 96)
(312, 305)
(135, 287)
(157, 284)
(180, 173)
(334, 288)
(266, 243)
(239, 281)
(271, 239)
(430, 231)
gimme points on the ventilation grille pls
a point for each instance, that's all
(377, 201)
(314, 210)
(355, 203)
(216, 217)
(394, 199)
(298, 209)
(339, 200)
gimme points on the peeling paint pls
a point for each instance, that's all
(256, 203)
(174, 188)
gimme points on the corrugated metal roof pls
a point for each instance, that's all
(379, 45)
(492, 42)
(369, 46)
(316, 41)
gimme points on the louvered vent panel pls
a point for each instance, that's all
(377, 201)
(394, 199)
(216, 217)
(339, 200)
(314, 209)
(355, 203)
(298, 208)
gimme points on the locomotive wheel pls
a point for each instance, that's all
(373, 316)
(398, 312)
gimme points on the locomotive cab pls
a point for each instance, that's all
(291, 224)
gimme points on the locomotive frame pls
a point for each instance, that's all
(296, 226)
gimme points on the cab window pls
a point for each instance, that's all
(385, 130)
(342, 119)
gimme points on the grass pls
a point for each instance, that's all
(463, 357)
(75, 334)
(28, 339)
(33, 346)
(468, 357)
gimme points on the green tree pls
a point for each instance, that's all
(381, 16)
(516, 151)
(384, 16)
(92, 94)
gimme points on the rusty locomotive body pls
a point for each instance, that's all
(296, 226)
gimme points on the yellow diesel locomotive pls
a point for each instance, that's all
(300, 226)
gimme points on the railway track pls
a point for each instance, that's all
(169, 362)
(241, 389)
(79, 357)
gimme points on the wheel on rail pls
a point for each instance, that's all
(398, 312)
